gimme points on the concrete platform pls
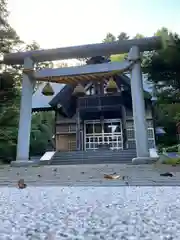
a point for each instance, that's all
(142, 160)
(23, 163)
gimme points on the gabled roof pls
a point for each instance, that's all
(41, 102)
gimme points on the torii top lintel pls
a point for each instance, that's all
(84, 51)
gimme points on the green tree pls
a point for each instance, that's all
(122, 36)
(8, 131)
(9, 92)
(42, 132)
(167, 115)
(109, 38)
(161, 31)
(10, 85)
(138, 36)
(118, 57)
(162, 68)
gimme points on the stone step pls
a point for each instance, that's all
(86, 154)
(98, 152)
(93, 157)
(75, 162)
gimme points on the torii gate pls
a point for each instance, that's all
(70, 74)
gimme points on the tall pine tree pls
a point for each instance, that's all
(9, 91)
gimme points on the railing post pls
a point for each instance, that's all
(78, 138)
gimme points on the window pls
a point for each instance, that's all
(89, 128)
(98, 128)
(107, 128)
(130, 134)
(150, 123)
(130, 124)
(150, 133)
(116, 127)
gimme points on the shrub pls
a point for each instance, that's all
(172, 161)
(174, 148)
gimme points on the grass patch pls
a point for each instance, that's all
(172, 161)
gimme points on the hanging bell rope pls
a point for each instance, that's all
(79, 90)
(48, 90)
(111, 85)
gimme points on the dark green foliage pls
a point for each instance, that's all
(122, 36)
(163, 70)
(174, 148)
(10, 82)
(166, 116)
(42, 132)
(9, 93)
(8, 132)
(109, 38)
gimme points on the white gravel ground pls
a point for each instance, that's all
(90, 213)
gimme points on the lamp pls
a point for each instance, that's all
(48, 90)
(111, 86)
(79, 90)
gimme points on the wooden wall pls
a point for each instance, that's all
(65, 142)
(65, 133)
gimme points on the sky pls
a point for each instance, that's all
(58, 23)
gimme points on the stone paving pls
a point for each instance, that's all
(90, 175)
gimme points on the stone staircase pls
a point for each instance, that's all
(93, 157)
